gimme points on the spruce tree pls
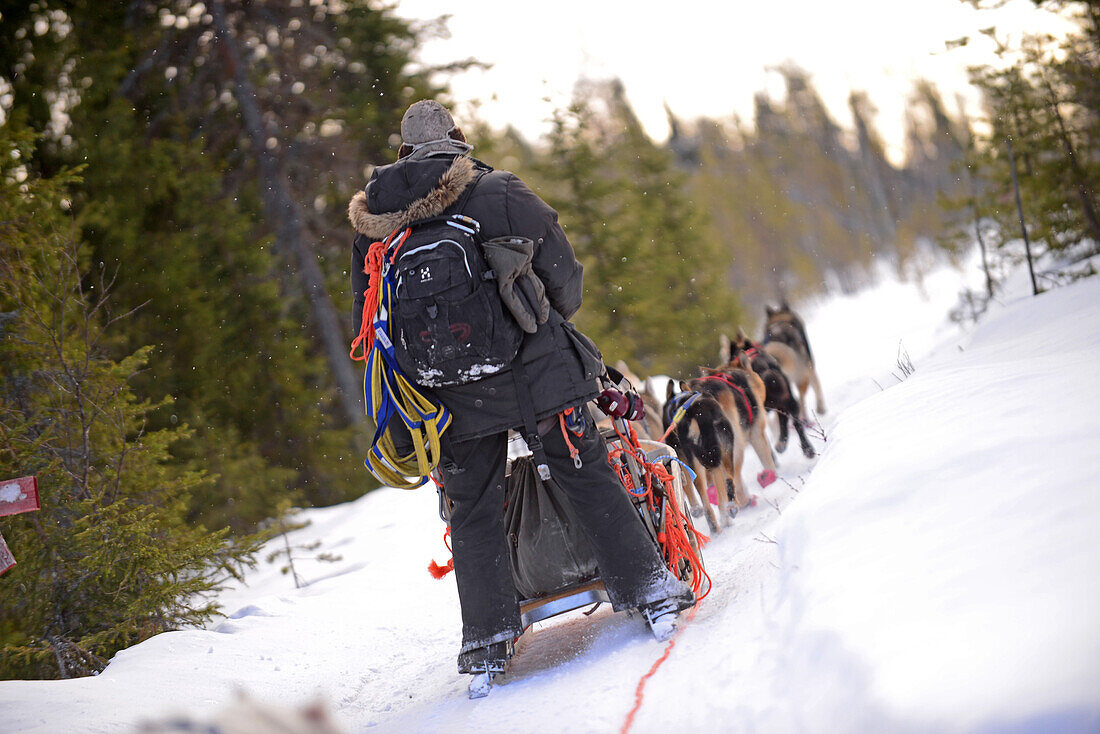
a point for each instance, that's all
(656, 293)
(111, 558)
(804, 205)
(1043, 98)
(678, 271)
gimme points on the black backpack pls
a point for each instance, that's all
(450, 325)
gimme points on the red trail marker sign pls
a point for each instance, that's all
(16, 496)
(7, 560)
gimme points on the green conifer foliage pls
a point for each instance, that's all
(1043, 96)
(171, 197)
(207, 297)
(802, 204)
(111, 558)
(655, 287)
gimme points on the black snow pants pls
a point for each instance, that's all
(473, 478)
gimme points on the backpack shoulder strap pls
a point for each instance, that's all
(460, 205)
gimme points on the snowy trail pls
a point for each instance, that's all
(936, 570)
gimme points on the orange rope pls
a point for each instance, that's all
(668, 431)
(674, 540)
(639, 692)
(434, 568)
(372, 266)
(573, 453)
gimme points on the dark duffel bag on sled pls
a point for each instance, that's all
(548, 548)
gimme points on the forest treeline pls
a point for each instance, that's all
(1041, 117)
(174, 253)
(729, 214)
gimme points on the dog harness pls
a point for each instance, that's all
(738, 388)
(675, 410)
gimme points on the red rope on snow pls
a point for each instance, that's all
(674, 541)
(639, 692)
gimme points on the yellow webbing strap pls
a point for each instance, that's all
(387, 390)
(425, 420)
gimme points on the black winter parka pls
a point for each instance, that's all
(562, 363)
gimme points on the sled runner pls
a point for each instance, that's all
(553, 565)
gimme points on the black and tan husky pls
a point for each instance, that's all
(727, 416)
(740, 392)
(779, 396)
(703, 439)
(785, 339)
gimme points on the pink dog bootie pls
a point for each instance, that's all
(765, 477)
(712, 494)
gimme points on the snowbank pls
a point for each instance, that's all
(941, 567)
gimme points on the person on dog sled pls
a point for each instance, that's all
(557, 369)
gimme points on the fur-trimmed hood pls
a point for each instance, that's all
(406, 191)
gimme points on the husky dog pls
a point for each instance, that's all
(785, 339)
(740, 392)
(248, 716)
(703, 439)
(779, 397)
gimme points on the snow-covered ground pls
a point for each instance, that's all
(936, 569)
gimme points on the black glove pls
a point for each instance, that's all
(520, 289)
(618, 405)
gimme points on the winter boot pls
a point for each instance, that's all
(661, 615)
(484, 663)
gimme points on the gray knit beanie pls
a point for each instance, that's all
(426, 128)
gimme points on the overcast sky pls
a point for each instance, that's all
(710, 58)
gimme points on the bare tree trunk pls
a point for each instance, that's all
(1084, 191)
(971, 188)
(281, 209)
(981, 246)
(1020, 212)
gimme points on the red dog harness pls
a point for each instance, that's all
(738, 388)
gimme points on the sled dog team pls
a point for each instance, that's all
(712, 419)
